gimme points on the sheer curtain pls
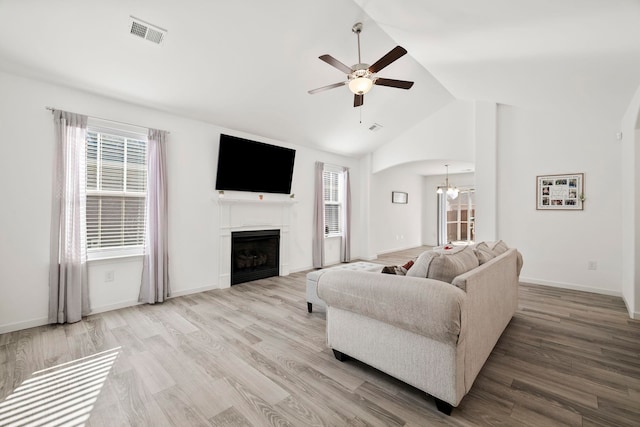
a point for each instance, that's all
(318, 219)
(68, 284)
(155, 268)
(345, 247)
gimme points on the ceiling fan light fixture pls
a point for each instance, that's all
(360, 85)
(361, 77)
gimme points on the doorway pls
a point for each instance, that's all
(456, 218)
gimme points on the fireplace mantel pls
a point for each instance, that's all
(244, 214)
(233, 201)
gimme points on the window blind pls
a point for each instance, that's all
(116, 190)
(332, 204)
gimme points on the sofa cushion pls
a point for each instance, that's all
(421, 266)
(484, 253)
(447, 266)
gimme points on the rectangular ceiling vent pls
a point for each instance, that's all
(375, 127)
(146, 31)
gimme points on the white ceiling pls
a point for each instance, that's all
(247, 65)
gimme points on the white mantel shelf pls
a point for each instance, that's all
(232, 201)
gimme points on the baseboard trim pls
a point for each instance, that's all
(632, 314)
(571, 286)
(193, 291)
(125, 304)
(27, 324)
(404, 248)
(116, 306)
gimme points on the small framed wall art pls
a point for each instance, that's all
(399, 197)
(560, 192)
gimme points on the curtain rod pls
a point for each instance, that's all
(109, 120)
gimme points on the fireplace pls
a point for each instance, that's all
(254, 255)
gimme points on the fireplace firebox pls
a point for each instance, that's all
(254, 255)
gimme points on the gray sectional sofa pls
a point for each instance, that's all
(434, 327)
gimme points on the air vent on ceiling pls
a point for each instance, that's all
(375, 127)
(146, 31)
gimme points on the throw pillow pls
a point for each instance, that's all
(421, 266)
(447, 266)
(483, 252)
(519, 262)
(499, 247)
(394, 269)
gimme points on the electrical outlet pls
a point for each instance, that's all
(592, 265)
(109, 276)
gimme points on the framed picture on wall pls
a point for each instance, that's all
(399, 197)
(560, 192)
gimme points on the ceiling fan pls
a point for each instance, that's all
(361, 77)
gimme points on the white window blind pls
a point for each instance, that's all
(116, 190)
(332, 202)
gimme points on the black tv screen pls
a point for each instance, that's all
(245, 165)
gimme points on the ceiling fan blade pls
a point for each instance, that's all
(358, 100)
(400, 84)
(333, 61)
(393, 54)
(323, 88)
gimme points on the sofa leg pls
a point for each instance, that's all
(443, 406)
(340, 356)
(309, 307)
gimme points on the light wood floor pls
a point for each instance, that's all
(251, 355)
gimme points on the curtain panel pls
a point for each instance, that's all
(154, 285)
(68, 275)
(318, 219)
(345, 246)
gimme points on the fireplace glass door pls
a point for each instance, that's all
(254, 255)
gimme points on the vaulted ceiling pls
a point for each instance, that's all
(247, 65)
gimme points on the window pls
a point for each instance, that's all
(456, 218)
(332, 188)
(116, 192)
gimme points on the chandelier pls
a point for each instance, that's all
(452, 192)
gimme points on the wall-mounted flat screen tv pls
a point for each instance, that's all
(245, 165)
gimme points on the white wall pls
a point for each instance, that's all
(395, 226)
(557, 245)
(447, 134)
(630, 182)
(486, 200)
(430, 202)
(27, 158)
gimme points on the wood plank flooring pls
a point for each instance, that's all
(251, 355)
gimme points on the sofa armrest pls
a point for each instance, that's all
(492, 300)
(424, 306)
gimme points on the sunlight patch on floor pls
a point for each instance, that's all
(62, 395)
